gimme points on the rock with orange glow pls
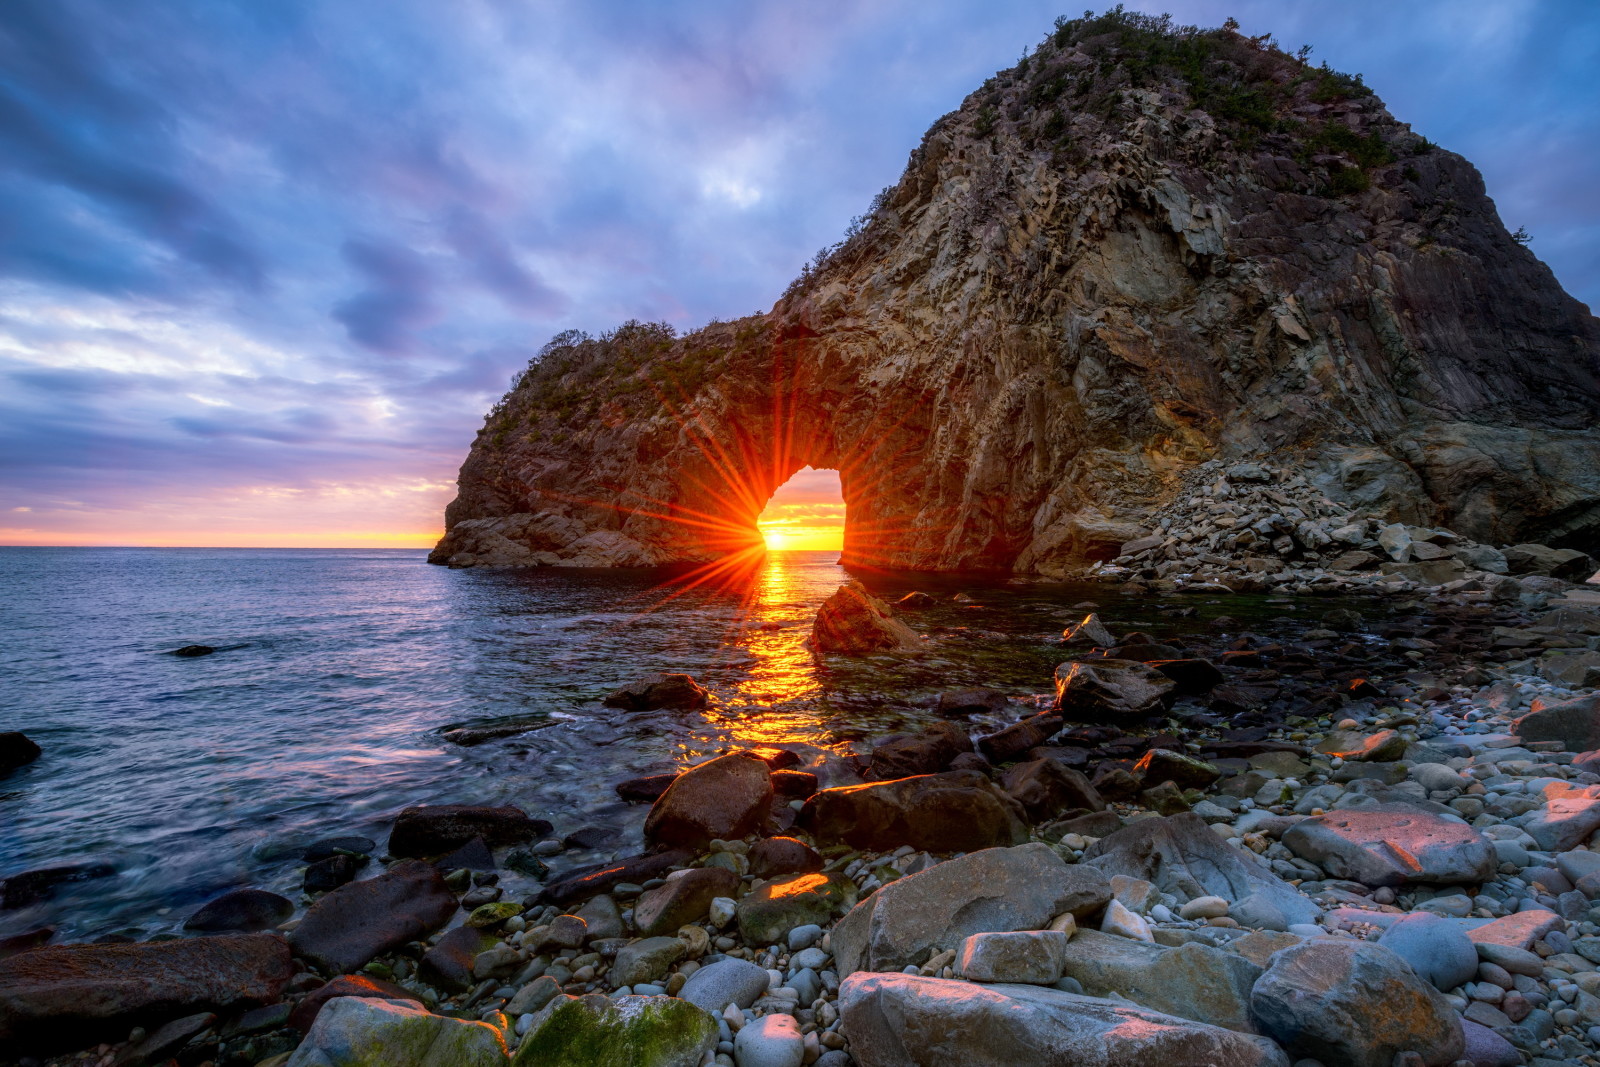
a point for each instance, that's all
(1394, 845)
(995, 890)
(954, 811)
(1570, 814)
(903, 1020)
(727, 797)
(767, 914)
(655, 691)
(1353, 1003)
(1575, 723)
(853, 622)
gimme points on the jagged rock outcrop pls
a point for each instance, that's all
(1141, 249)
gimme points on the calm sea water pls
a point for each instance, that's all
(320, 713)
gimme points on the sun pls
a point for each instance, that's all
(776, 540)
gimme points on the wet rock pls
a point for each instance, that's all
(241, 911)
(793, 785)
(768, 913)
(1393, 845)
(333, 872)
(727, 981)
(646, 960)
(585, 882)
(1570, 814)
(10, 946)
(1089, 631)
(1186, 772)
(1045, 788)
(433, 831)
(773, 856)
(633, 1031)
(905, 755)
(1194, 677)
(1575, 723)
(1008, 744)
(1191, 981)
(727, 797)
(1353, 1003)
(915, 601)
(683, 898)
(190, 651)
(962, 702)
(1032, 956)
(16, 750)
(853, 622)
(1111, 689)
(345, 985)
(956, 811)
(350, 926)
(645, 790)
(448, 964)
(329, 847)
(362, 1032)
(995, 890)
(770, 1041)
(1438, 950)
(656, 691)
(71, 995)
(902, 1020)
(31, 887)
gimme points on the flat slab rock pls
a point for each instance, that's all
(902, 1020)
(1393, 845)
(954, 811)
(1570, 814)
(72, 994)
(348, 928)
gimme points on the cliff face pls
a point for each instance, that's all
(1140, 249)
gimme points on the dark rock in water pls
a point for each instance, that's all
(333, 846)
(1145, 653)
(956, 811)
(682, 899)
(192, 650)
(10, 946)
(431, 831)
(1111, 689)
(853, 622)
(345, 985)
(1194, 676)
(69, 996)
(774, 757)
(448, 964)
(333, 872)
(355, 923)
(242, 911)
(31, 887)
(523, 860)
(772, 856)
(656, 691)
(1046, 788)
(470, 734)
(903, 755)
(472, 856)
(590, 837)
(793, 785)
(725, 798)
(1008, 744)
(915, 600)
(585, 882)
(17, 750)
(959, 702)
(645, 790)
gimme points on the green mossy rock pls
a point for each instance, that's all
(769, 913)
(596, 1031)
(487, 915)
(360, 1032)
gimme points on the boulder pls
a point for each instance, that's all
(1192, 981)
(767, 914)
(956, 811)
(1437, 949)
(772, 856)
(333, 872)
(1575, 723)
(596, 1031)
(1570, 814)
(1111, 689)
(1089, 631)
(853, 622)
(1194, 677)
(433, 831)
(31, 887)
(585, 882)
(645, 790)
(727, 798)
(1007, 744)
(1181, 855)
(69, 996)
(16, 750)
(242, 911)
(1031, 956)
(448, 963)
(361, 1032)
(1045, 788)
(728, 981)
(683, 898)
(1572, 670)
(1355, 1004)
(995, 890)
(903, 1020)
(905, 755)
(655, 691)
(1568, 564)
(1393, 845)
(348, 928)
(793, 785)
(345, 985)
(1186, 772)
(961, 702)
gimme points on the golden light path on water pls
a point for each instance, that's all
(781, 671)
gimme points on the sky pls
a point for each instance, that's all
(264, 265)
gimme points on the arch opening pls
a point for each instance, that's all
(805, 513)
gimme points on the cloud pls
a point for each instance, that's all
(398, 301)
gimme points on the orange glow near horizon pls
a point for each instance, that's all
(805, 514)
